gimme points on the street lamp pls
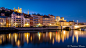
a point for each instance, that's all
(39, 24)
(77, 22)
(15, 24)
(50, 24)
(27, 24)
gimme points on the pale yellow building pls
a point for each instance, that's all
(59, 19)
(2, 21)
(37, 20)
(46, 21)
(52, 20)
(27, 22)
(64, 23)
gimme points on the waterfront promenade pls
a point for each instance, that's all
(41, 28)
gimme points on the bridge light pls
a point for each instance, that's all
(76, 26)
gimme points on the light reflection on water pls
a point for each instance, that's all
(19, 39)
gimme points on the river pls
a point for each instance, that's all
(43, 39)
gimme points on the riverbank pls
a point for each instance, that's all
(27, 28)
(12, 29)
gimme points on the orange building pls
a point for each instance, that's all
(37, 19)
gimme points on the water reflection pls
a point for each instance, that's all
(18, 39)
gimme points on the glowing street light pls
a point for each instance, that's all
(50, 24)
(27, 24)
(15, 23)
(39, 24)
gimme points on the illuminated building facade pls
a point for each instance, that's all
(46, 20)
(31, 21)
(59, 19)
(62, 22)
(27, 20)
(17, 19)
(8, 22)
(2, 21)
(37, 19)
(18, 10)
(5, 21)
(52, 20)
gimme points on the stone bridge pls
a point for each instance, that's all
(74, 26)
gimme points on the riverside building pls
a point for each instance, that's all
(15, 18)
(37, 20)
(62, 22)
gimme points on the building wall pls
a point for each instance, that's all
(36, 20)
(41, 19)
(31, 21)
(2, 22)
(27, 22)
(17, 20)
(66, 23)
(8, 22)
(52, 20)
(71, 23)
(57, 18)
(46, 21)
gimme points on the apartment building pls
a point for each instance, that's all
(46, 20)
(28, 20)
(52, 20)
(59, 19)
(37, 19)
(2, 21)
(17, 19)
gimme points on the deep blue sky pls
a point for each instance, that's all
(69, 9)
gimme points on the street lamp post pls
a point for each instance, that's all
(77, 22)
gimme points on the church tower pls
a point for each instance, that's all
(28, 12)
(18, 10)
(14, 8)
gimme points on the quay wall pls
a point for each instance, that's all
(28, 28)
(38, 28)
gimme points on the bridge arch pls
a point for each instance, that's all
(67, 28)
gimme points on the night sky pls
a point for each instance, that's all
(69, 9)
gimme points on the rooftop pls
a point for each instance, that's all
(26, 15)
(45, 16)
(2, 16)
